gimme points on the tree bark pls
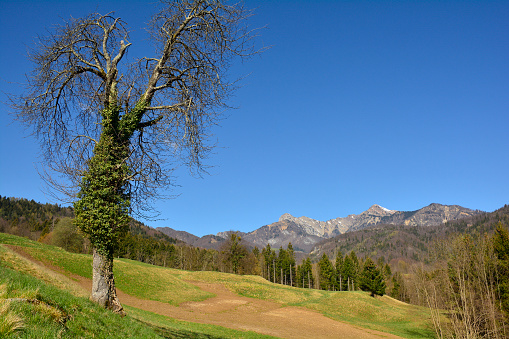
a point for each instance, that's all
(103, 284)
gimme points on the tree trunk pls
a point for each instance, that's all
(291, 277)
(103, 283)
(274, 265)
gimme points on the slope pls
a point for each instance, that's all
(240, 302)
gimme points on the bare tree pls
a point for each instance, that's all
(112, 130)
(464, 286)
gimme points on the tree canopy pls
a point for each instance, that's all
(159, 106)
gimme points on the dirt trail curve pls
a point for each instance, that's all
(230, 310)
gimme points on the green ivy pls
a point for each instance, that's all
(102, 209)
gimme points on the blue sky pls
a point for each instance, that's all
(397, 103)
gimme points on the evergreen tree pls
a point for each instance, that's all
(501, 248)
(356, 269)
(291, 263)
(256, 251)
(66, 235)
(305, 276)
(269, 256)
(398, 290)
(339, 281)
(371, 279)
(348, 273)
(233, 252)
(387, 271)
(282, 262)
(326, 273)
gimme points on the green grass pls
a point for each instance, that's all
(382, 314)
(155, 283)
(44, 311)
(135, 278)
(48, 312)
(171, 286)
(31, 308)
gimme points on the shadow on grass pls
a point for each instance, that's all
(177, 333)
(419, 333)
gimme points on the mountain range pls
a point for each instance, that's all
(304, 232)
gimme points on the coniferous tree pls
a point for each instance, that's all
(326, 273)
(348, 273)
(387, 271)
(281, 265)
(291, 263)
(371, 279)
(396, 286)
(501, 249)
(339, 271)
(256, 251)
(234, 251)
(356, 269)
(269, 256)
(66, 235)
(305, 274)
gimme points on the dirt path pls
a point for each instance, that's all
(230, 310)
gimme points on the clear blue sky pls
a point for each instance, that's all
(398, 103)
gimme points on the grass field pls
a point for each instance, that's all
(172, 286)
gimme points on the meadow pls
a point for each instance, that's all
(40, 288)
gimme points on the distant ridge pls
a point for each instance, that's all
(395, 242)
(304, 232)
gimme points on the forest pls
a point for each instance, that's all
(461, 269)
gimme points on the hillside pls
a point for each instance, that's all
(408, 242)
(33, 220)
(28, 218)
(209, 241)
(159, 296)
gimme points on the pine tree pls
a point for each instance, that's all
(326, 271)
(306, 274)
(233, 252)
(339, 271)
(291, 262)
(356, 269)
(501, 248)
(348, 273)
(371, 279)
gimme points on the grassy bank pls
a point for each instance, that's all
(173, 287)
(34, 309)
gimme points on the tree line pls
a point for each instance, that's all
(28, 218)
(466, 275)
(346, 273)
(54, 225)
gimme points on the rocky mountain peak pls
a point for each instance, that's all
(287, 216)
(304, 232)
(379, 210)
